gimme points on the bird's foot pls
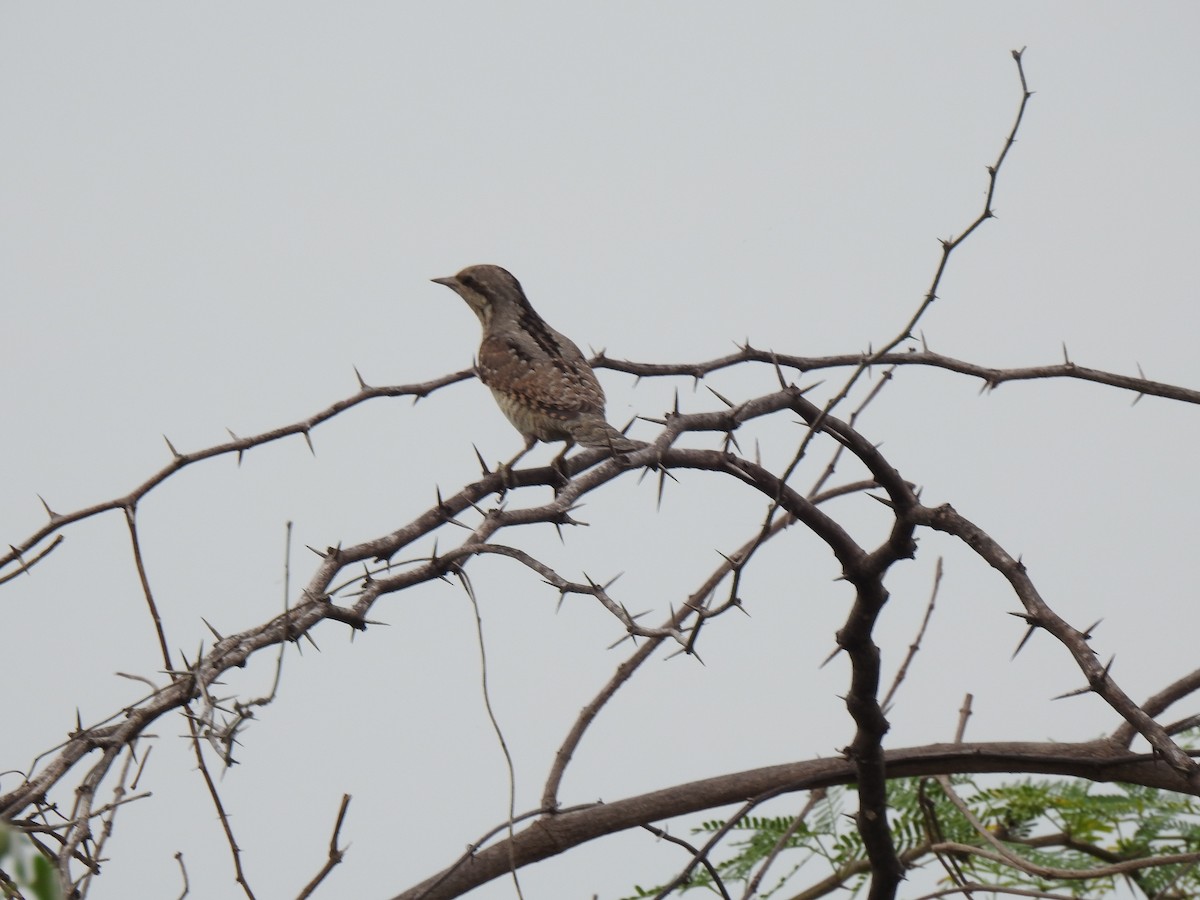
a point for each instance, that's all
(559, 465)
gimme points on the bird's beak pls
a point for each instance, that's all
(450, 282)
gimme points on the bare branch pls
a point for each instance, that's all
(946, 519)
(336, 853)
(557, 833)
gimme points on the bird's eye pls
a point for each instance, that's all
(469, 281)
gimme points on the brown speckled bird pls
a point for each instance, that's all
(540, 380)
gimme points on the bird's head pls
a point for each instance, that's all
(488, 290)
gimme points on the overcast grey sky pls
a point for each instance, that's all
(209, 213)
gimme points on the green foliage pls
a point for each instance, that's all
(24, 870)
(1060, 824)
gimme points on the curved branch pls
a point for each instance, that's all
(554, 834)
(1038, 614)
(1160, 702)
(693, 605)
(237, 445)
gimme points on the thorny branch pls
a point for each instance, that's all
(554, 834)
(336, 853)
(991, 376)
(862, 567)
(338, 592)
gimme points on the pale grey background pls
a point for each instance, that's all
(210, 212)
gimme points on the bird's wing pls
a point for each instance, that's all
(562, 386)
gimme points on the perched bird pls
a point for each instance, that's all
(540, 380)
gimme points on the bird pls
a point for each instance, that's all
(541, 382)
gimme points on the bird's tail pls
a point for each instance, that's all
(598, 433)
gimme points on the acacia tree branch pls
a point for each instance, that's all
(591, 469)
(698, 856)
(864, 570)
(867, 573)
(1159, 703)
(226, 827)
(238, 445)
(24, 565)
(814, 797)
(336, 853)
(836, 880)
(1029, 868)
(915, 646)
(991, 376)
(948, 247)
(144, 581)
(465, 581)
(108, 814)
(1039, 615)
(551, 835)
(868, 764)
(695, 604)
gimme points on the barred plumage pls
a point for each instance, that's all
(540, 380)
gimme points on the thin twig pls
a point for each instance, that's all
(814, 797)
(336, 853)
(131, 522)
(916, 643)
(701, 855)
(696, 854)
(487, 702)
(234, 850)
